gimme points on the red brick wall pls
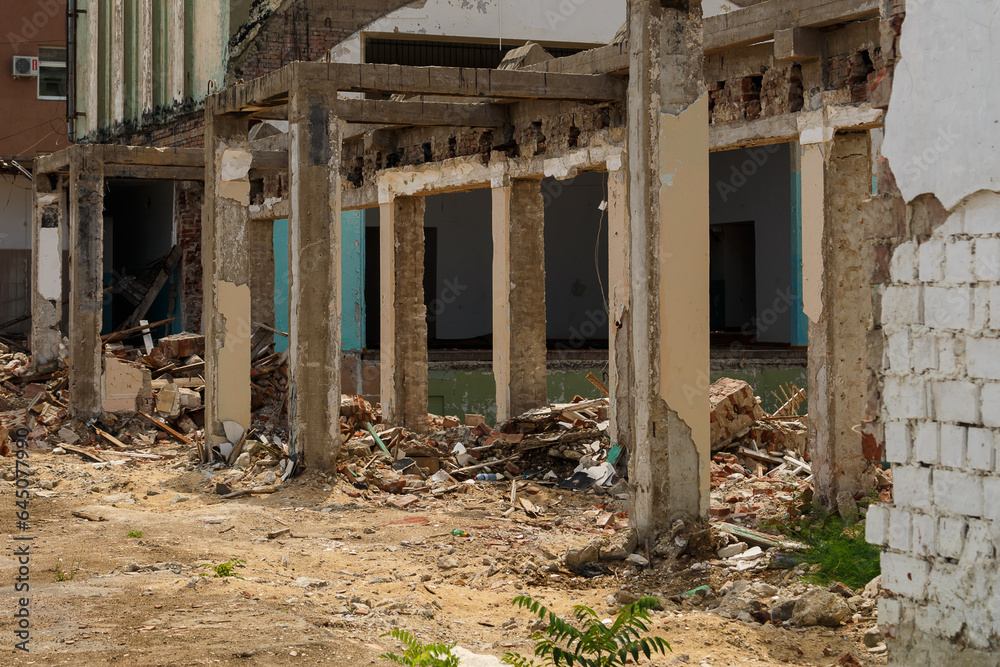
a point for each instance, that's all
(187, 215)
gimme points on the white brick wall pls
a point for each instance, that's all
(941, 412)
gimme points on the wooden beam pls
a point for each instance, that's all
(759, 22)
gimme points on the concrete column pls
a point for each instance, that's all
(519, 349)
(403, 344)
(226, 263)
(178, 49)
(145, 49)
(117, 59)
(668, 208)
(619, 296)
(48, 206)
(314, 264)
(837, 298)
(800, 323)
(262, 273)
(86, 293)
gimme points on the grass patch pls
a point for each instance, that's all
(134, 534)
(836, 545)
(227, 569)
(65, 575)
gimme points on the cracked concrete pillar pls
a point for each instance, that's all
(619, 294)
(48, 219)
(226, 263)
(314, 286)
(403, 344)
(668, 210)
(837, 298)
(86, 288)
(519, 347)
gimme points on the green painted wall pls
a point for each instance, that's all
(460, 392)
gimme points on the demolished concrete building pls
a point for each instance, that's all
(757, 128)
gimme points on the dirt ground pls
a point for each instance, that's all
(100, 597)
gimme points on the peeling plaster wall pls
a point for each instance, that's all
(940, 315)
(942, 132)
(474, 20)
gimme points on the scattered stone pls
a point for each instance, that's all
(308, 582)
(819, 607)
(840, 589)
(58, 450)
(873, 588)
(873, 637)
(153, 492)
(732, 550)
(448, 562)
(243, 460)
(132, 567)
(637, 559)
(46, 484)
(782, 610)
(590, 553)
(221, 488)
(270, 477)
(179, 498)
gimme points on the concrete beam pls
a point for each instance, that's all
(271, 90)
(760, 22)
(226, 264)
(403, 332)
(798, 45)
(836, 179)
(314, 262)
(415, 114)
(668, 148)
(519, 343)
(86, 293)
(48, 224)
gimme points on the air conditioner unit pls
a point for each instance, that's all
(25, 66)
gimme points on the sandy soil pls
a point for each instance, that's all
(142, 601)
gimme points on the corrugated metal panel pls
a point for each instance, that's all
(15, 282)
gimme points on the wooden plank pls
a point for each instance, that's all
(759, 22)
(110, 438)
(80, 451)
(154, 290)
(166, 429)
(125, 333)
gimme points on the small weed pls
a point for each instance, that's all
(134, 534)
(63, 575)
(227, 569)
(836, 544)
(420, 655)
(593, 644)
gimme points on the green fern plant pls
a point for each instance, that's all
(593, 644)
(420, 655)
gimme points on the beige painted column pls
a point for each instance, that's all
(178, 49)
(519, 343)
(837, 298)
(314, 262)
(117, 61)
(86, 289)
(145, 49)
(619, 296)
(403, 335)
(668, 208)
(48, 220)
(226, 263)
